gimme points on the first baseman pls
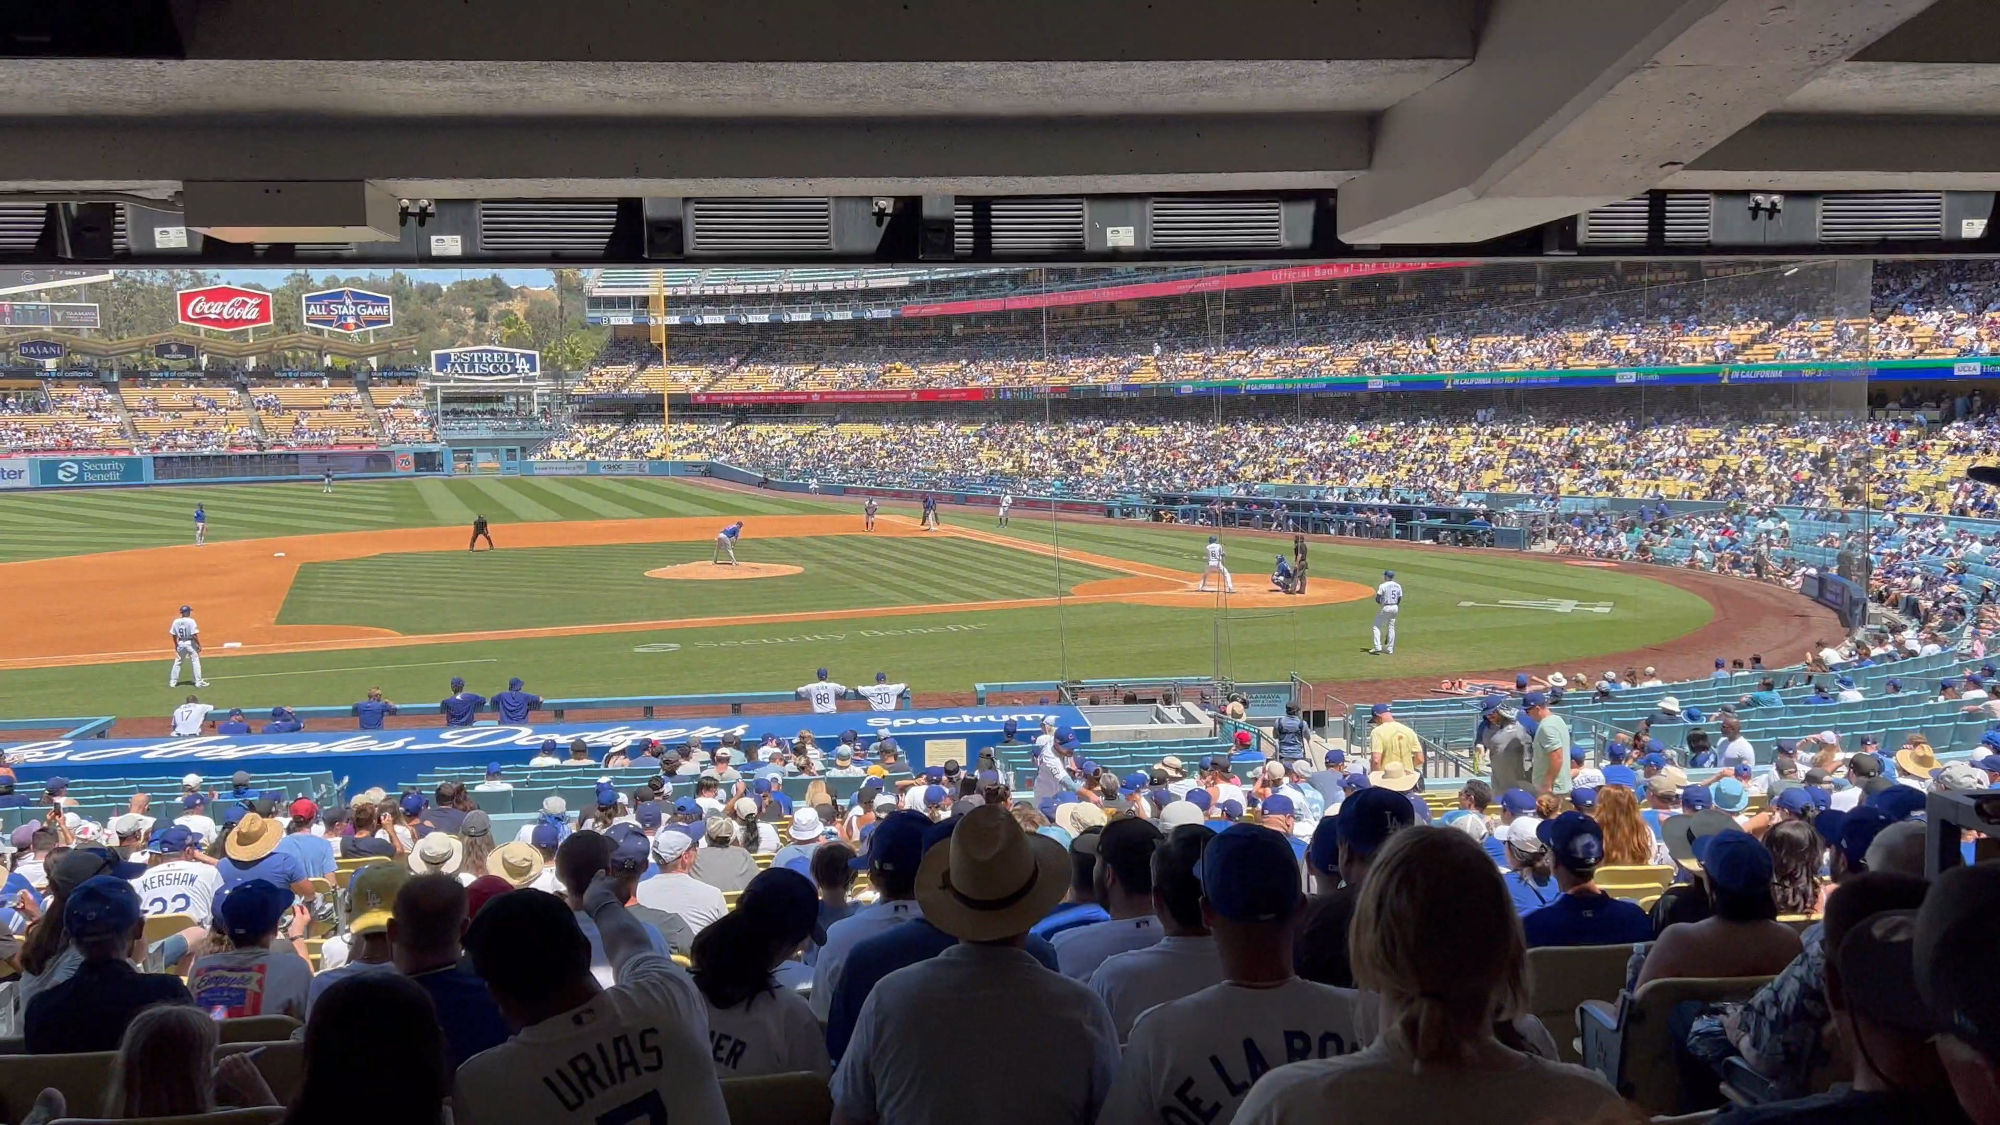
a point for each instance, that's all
(186, 637)
(725, 540)
(1389, 600)
(1215, 567)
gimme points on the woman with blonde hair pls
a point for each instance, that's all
(166, 1067)
(1436, 939)
(1627, 840)
(819, 797)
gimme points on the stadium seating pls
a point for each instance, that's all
(402, 409)
(299, 414)
(178, 416)
(1629, 1044)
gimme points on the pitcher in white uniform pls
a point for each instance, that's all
(1215, 567)
(186, 637)
(1389, 603)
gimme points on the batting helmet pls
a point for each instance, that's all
(1214, 539)
(1388, 574)
(186, 609)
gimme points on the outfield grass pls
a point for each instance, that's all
(456, 591)
(944, 651)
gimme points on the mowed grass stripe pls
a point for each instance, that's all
(452, 590)
(515, 504)
(445, 505)
(576, 498)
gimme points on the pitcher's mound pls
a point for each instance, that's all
(715, 572)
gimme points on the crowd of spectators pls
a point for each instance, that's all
(1239, 939)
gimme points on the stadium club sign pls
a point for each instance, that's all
(175, 349)
(41, 349)
(388, 757)
(225, 308)
(488, 364)
(348, 310)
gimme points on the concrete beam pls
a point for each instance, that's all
(528, 159)
(1571, 104)
(1829, 153)
(817, 31)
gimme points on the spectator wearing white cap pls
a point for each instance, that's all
(1530, 875)
(673, 888)
(720, 859)
(804, 836)
(917, 1027)
(1437, 941)
(1124, 880)
(1184, 959)
(1203, 1052)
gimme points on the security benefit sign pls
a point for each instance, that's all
(487, 364)
(348, 310)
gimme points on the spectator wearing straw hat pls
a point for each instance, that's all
(519, 864)
(986, 887)
(1208, 1049)
(437, 854)
(252, 852)
(371, 900)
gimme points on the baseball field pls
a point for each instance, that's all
(603, 587)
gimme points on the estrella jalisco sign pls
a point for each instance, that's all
(487, 362)
(348, 310)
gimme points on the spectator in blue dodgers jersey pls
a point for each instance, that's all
(461, 706)
(369, 713)
(1184, 959)
(1367, 821)
(895, 850)
(1437, 942)
(1583, 914)
(754, 1025)
(1124, 880)
(514, 704)
(90, 1009)
(634, 1051)
(985, 887)
(1199, 1055)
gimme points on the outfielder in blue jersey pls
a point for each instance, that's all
(725, 540)
(200, 526)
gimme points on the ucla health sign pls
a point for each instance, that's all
(62, 472)
(489, 363)
(348, 310)
(389, 758)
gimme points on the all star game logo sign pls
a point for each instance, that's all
(348, 310)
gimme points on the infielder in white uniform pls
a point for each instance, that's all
(186, 636)
(823, 693)
(1389, 602)
(881, 695)
(1215, 567)
(1006, 506)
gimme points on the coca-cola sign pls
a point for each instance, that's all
(225, 308)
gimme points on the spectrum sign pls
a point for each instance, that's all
(348, 310)
(225, 308)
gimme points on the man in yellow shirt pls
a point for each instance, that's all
(1392, 741)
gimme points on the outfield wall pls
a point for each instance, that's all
(113, 470)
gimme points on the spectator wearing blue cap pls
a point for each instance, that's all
(195, 819)
(893, 852)
(1279, 815)
(1055, 763)
(1184, 959)
(258, 974)
(580, 860)
(1436, 941)
(1548, 767)
(1721, 670)
(234, 723)
(1209, 1048)
(515, 704)
(1848, 692)
(1123, 877)
(1741, 936)
(461, 707)
(496, 780)
(547, 754)
(90, 1010)
(283, 721)
(1368, 818)
(1508, 744)
(1583, 915)
(1391, 741)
